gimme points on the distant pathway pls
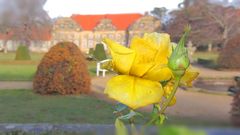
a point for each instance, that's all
(211, 73)
(15, 85)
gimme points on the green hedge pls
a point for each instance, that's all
(99, 52)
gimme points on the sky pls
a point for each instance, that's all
(56, 8)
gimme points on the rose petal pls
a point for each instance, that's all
(134, 92)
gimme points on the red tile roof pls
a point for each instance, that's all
(5, 36)
(43, 34)
(121, 21)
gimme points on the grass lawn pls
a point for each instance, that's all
(17, 72)
(24, 71)
(11, 56)
(23, 106)
(207, 59)
(206, 55)
(11, 70)
(92, 67)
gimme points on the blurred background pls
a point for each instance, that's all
(29, 28)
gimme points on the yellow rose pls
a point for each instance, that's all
(141, 67)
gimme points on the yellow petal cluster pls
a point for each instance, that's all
(190, 75)
(167, 91)
(140, 67)
(133, 91)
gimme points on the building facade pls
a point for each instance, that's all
(88, 30)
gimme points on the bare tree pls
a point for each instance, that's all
(226, 18)
(159, 12)
(211, 23)
(23, 20)
(235, 3)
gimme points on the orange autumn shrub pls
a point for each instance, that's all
(62, 70)
(235, 111)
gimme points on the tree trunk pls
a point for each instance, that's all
(209, 47)
(225, 37)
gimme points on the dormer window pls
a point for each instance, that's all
(142, 25)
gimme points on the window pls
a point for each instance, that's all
(111, 36)
(90, 43)
(62, 26)
(142, 25)
(71, 25)
(119, 36)
(90, 36)
(84, 43)
(97, 37)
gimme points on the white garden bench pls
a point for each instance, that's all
(99, 69)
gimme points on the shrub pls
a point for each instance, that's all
(202, 61)
(236, 110)
(99, 52)
(22, 53)
(236, 102)
(90, 54)
(62, 70)
(230, 56)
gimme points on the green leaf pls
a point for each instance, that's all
(130, 115)
(120, 107)
(156, 109)
(178, 130)
(120, 128)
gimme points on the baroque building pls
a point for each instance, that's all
(65, 29)
(88, 30)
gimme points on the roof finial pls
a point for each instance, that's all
(146, 13)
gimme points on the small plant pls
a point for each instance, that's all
(236, 103)
(91, 52)
(236, 110)
(99, 52)
(22, 53)
(90, 55)
(62, 70)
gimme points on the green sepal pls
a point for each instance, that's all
(165, 82)
(179, 60)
